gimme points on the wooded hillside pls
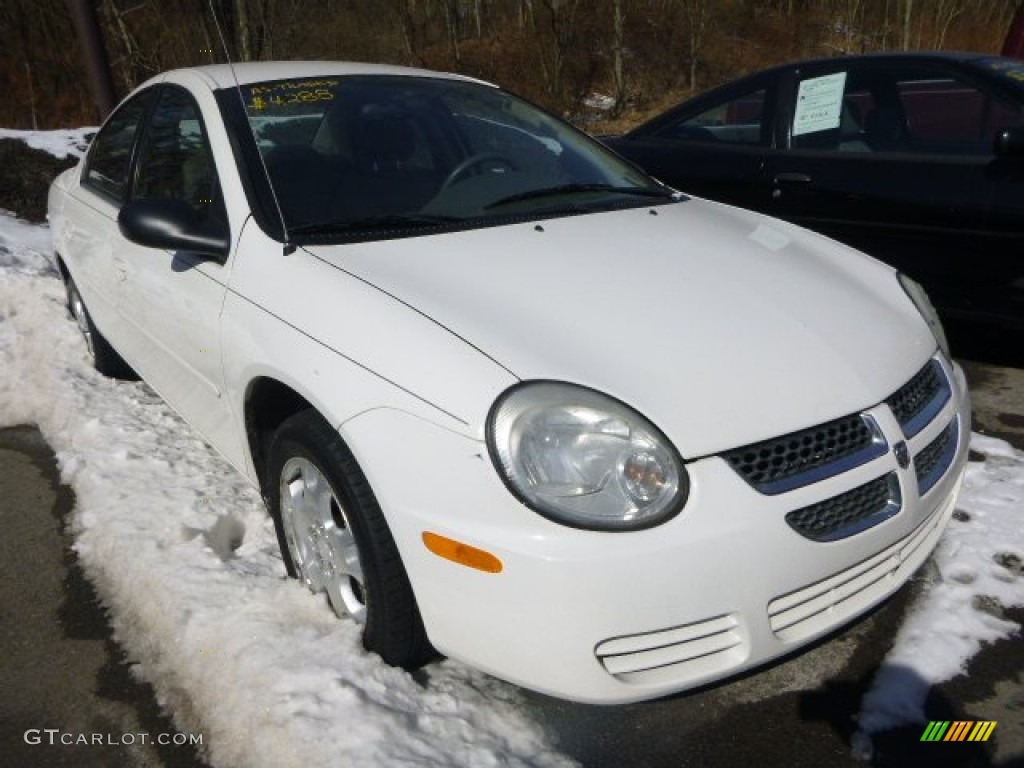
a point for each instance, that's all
(641, 54)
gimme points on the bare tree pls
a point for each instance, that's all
(450, 9)
(945, 12)
(908, 10)
(478, 16)
(698, 17)
(618, 53)
(560, 31)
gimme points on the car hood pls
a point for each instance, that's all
(721, 326)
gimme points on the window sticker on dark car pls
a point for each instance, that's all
(819, 103)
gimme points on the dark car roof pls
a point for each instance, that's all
(958, 57)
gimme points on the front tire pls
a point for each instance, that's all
(333, 536)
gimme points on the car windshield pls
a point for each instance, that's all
(392, 156)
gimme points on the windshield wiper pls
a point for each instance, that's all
(568, 189)
(371, 223)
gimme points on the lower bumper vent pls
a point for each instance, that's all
(689, 651)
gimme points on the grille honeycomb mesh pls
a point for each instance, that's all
(910, 399)
(782, 458)
(928, 463)
(845, 514)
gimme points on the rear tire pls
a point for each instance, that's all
(333, 536)
(105, 358)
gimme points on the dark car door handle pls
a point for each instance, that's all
(792, 178)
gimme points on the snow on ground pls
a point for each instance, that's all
(980, 560)
(184, 556)
(59, 143)
(24, 247)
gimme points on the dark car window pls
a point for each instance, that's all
(175, 160)
(111, 154)
(898, 110)
(950, 116)
(740, 120)
(831, 111)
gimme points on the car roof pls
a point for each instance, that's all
(881, 56)
(244, 72)
(878, 57)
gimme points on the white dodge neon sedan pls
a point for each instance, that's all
(508, 398)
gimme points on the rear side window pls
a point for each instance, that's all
(110, 157)
(949, 116)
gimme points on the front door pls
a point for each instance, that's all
(173, 299)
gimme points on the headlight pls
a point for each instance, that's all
(584, 459)
(920, 298)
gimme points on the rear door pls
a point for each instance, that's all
(895, 158)
(89, 224)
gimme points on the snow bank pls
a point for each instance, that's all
(60, 143)
(184, 556)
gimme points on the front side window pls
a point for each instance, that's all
(741, 120)
(175, 160)
(110, 157)
(367, 156)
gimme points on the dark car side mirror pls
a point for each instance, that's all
(1009, 142)
(172, 225)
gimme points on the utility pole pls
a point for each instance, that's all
(94, 55)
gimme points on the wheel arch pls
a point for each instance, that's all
(268, 402)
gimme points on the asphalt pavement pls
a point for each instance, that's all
(63, 675)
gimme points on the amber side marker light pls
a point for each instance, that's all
(460, 553)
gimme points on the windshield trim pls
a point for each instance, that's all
(398, 232)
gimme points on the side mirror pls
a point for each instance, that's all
(1009, 142)
(171, 225)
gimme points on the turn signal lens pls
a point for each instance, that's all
(460, 553)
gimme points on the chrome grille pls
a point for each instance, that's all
(849, 513)
(801, 458)
(917, 402)
(934, 459)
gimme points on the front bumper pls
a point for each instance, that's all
(616, 617)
